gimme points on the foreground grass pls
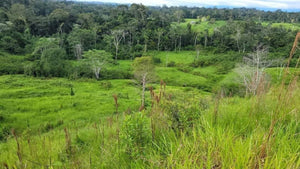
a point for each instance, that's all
(184, 129)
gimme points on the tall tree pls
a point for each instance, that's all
(117, 37)
(159, 32)
(80, 40)
(179, 14)
(144, 72)
(97, 60)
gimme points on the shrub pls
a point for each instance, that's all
(11, 65)
(225, 67)
(4, 133)
(184, 68)
(12, 44)
(82, 69)
(171, 64)
(51, 64)
(156, 60)
(183, 117)
(115, 74)
(136, 134)
(1, 118)
(106, 85)
(231, 89)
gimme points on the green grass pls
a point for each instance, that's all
(291, 26)
(202, 26)
(207, 72)
(174, 77)
(183, 57)
(123, 65)
(234, 140)
(25, 101)
(184, 126)
(276, 74)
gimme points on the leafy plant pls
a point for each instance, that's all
(136, 134)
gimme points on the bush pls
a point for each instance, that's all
(231, 89)
(136, 134)
(106, 85)
(13, 44)
(115, 74)
(11, 65)
(156, 60)
(184, 68)
(51, 64)
(171, 64)
(182, 117)
(189, 47)
(82, 69)
(225, 67)
(4, 133)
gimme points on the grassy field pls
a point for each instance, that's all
(26, 101)
(186, 124)
(291, 26)
(202, 26)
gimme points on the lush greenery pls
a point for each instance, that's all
(183, 128)
(43, 29)
(128, 86)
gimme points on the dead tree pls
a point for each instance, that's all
(252, 72)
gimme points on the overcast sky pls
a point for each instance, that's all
(275, 4)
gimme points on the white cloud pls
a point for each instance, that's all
(276, 4)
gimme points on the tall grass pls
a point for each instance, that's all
(236, 140)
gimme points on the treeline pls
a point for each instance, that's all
(47, 30)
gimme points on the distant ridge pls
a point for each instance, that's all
(192, 5)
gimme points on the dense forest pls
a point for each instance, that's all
(67, 29)
(100, 85)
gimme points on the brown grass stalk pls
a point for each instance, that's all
(19, 152)
(68, 142)
(283, 99)
(116, 102)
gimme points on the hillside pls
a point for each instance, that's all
(96, 85)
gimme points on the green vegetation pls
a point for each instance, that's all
(183, 129)
(200, 26)
(128, 86)
(86, 123)
(291, 26)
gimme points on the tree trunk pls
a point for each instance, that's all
(143, 92)
(205, 40)
(179, 43)
(97, 72)
(145, 47)
(117, 48)
(195, 41)
(158, 43)
(78, 51)
(238, 45)
(175, 44)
